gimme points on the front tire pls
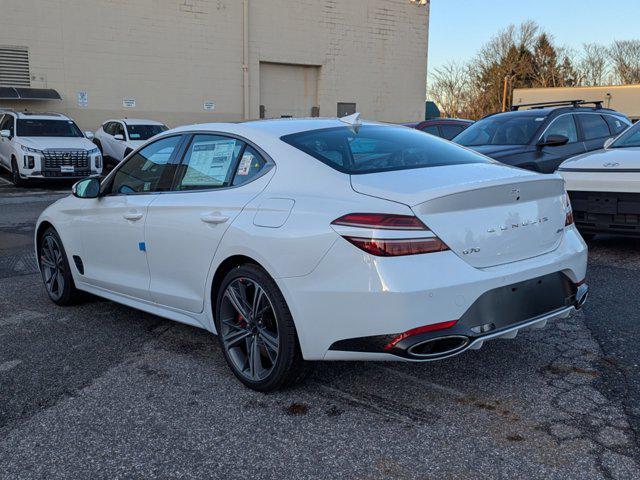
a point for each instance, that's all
(256, 331)
(54, 267)
(15, 174)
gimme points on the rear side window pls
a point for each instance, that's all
(251, 164)
(377, 148)
(432, 130)
(593, 126)
(450, 131)
(210, 162)
(616, 125)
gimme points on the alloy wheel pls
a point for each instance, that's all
(249, 329)
(52, 266)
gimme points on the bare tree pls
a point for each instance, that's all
(593, 66)
(625, 58)
(449, 88)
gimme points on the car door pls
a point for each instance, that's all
(119, 146)
(550, 157)
(217, 178)
(112, 225)
(595, 130)
(6, 123)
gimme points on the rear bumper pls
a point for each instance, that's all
(352, 295)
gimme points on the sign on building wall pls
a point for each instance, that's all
(129, 102)
(83, 99)
(209, 105)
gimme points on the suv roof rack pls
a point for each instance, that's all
(562, 103)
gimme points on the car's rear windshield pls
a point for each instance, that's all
(47, 128)
(144, 132)
(379, 148)
(630, 138)
(507, 129)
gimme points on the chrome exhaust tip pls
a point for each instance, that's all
(581, 296)
(439, 347)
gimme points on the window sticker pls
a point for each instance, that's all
(245, 164)
(209, 163)
(134, 136)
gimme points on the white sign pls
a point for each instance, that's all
(129, 102)
(209, 105)
(83, 99)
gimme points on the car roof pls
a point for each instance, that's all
(134, 121)
(554, 111)
(35, 115)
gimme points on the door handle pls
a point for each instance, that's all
(133, 216)
(213, 218)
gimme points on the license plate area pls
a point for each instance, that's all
(67, 169)
(602, 204)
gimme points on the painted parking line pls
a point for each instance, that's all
(4, 181)
(6, 366)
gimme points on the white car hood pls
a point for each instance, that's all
(52, 143)
(133, 144)
(610, 159)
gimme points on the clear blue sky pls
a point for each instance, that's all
(458, 28)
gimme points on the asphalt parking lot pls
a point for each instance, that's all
(103, 391)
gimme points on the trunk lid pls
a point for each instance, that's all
(488, 214)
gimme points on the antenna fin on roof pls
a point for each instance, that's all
(353, 121)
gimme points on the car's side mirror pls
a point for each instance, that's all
(86, 188)
(119, 136)
(89, 135)
(553, 141)
(608, 142)
(5, 133)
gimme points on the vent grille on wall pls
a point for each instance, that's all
(14, 66)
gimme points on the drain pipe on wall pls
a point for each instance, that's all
(245, 59)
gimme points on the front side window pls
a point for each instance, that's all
(502, 129)
(47, 128)
(144, 132)
(564, 125)
(148, 170)
(630, 138)
(7, 124)
(376, 148)
(209, 162)
(118, 129)
(593, 126)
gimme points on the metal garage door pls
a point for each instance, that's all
(288, 90)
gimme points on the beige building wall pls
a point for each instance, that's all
(623, 98)
(172, 56)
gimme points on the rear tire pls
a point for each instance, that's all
(256, 331)
(15, 174)
(55, 270)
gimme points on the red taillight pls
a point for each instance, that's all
(569, 220)
(398, 247)
(427, 328)
(384, 221)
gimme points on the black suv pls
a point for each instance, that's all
(545, 134)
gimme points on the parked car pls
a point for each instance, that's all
(442, 127)
(45, 146)
(604, 186)
(118, 138)
(541, 138)
(319, 239)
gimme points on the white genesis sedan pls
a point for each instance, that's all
(319, 239)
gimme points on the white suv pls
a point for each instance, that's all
(117, 138)
(45, 146)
